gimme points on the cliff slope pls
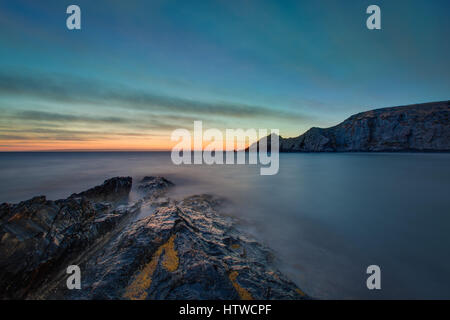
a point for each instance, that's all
(420, 127)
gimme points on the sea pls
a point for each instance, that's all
(327, 217)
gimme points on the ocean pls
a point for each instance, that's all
(326, 216)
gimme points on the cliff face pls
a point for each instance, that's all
(421, 127)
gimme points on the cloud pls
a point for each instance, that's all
(49, 116)
(64, 89)
(12, 137)
(32, 119)
(63, 135)
(56, 108)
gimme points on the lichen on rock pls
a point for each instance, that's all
(184, 250)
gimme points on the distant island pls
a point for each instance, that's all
(419, 127)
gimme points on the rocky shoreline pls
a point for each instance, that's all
(414, 128)
(183, 250)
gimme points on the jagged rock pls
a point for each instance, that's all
(114, 189)
(420, 127)
(154, 186)
(38, 236)
(183, 251)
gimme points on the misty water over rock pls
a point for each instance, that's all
(184, 250)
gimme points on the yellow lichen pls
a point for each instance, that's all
(170, 259)
(300, 292)
(243, 294)
(235, 246)
(137, 290)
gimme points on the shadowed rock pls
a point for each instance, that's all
(185, 250)
(421, 127)
(39, 237)
(114, 190)
(154, 186)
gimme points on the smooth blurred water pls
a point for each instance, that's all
(326, 216)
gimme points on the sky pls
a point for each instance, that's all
(137, 70)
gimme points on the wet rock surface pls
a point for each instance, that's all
(37, 236)
(184, 250)
(153, 187)
(422, 127)
(113, 190)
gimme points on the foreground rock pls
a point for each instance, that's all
(153, 187)
(184, 250)
(421, 127)
(113, 190)
(38, 236)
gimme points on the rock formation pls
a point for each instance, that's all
(154, 186)
(38, 236)
(115, 190)
(420, 127)
(184, 250)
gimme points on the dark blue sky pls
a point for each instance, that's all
(138, 69)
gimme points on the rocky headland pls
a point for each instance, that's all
(421, 128)
(183, 250)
